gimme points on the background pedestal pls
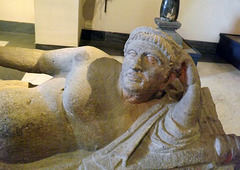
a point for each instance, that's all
(169, 28)
(229, 49)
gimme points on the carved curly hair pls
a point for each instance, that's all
(166, 44)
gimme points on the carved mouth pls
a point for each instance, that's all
(133, 78)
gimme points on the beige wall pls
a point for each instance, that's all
(201, 19)
(57, 22)
(17, 10)
(204, 19)
(122, 15)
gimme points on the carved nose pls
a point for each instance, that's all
(137, 65)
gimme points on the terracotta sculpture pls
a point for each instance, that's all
(147, 113)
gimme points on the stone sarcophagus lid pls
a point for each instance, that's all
(99, 112)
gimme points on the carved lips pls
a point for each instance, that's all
(133, 77)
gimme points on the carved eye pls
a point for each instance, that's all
(132, 53)
(151, 59)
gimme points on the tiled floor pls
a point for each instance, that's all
(223, 81)
(222, 78)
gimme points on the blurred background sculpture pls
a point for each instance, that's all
(169, 10)
(168, 19)
(147, 112)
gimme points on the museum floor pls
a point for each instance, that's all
(222, 78)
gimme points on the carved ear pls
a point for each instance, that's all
(177, 83)
(183, 74)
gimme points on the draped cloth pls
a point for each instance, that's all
(150, 144)
(120, 150)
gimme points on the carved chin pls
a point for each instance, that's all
(133, 88)
(137, 98)
(134, 99)
(135, 94)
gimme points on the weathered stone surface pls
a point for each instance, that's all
(148, 112)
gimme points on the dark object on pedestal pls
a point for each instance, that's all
(168, 19)
(169, 10)
(229, 48)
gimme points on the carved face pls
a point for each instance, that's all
(144, 70)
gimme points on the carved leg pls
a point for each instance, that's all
(31, 141)
(28, 130)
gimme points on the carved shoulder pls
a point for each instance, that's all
(77, 88)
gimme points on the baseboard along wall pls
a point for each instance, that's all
(17, 27)
(100, 39)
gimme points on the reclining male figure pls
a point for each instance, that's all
(92, 98)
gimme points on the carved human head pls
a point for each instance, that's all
(150, 56)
